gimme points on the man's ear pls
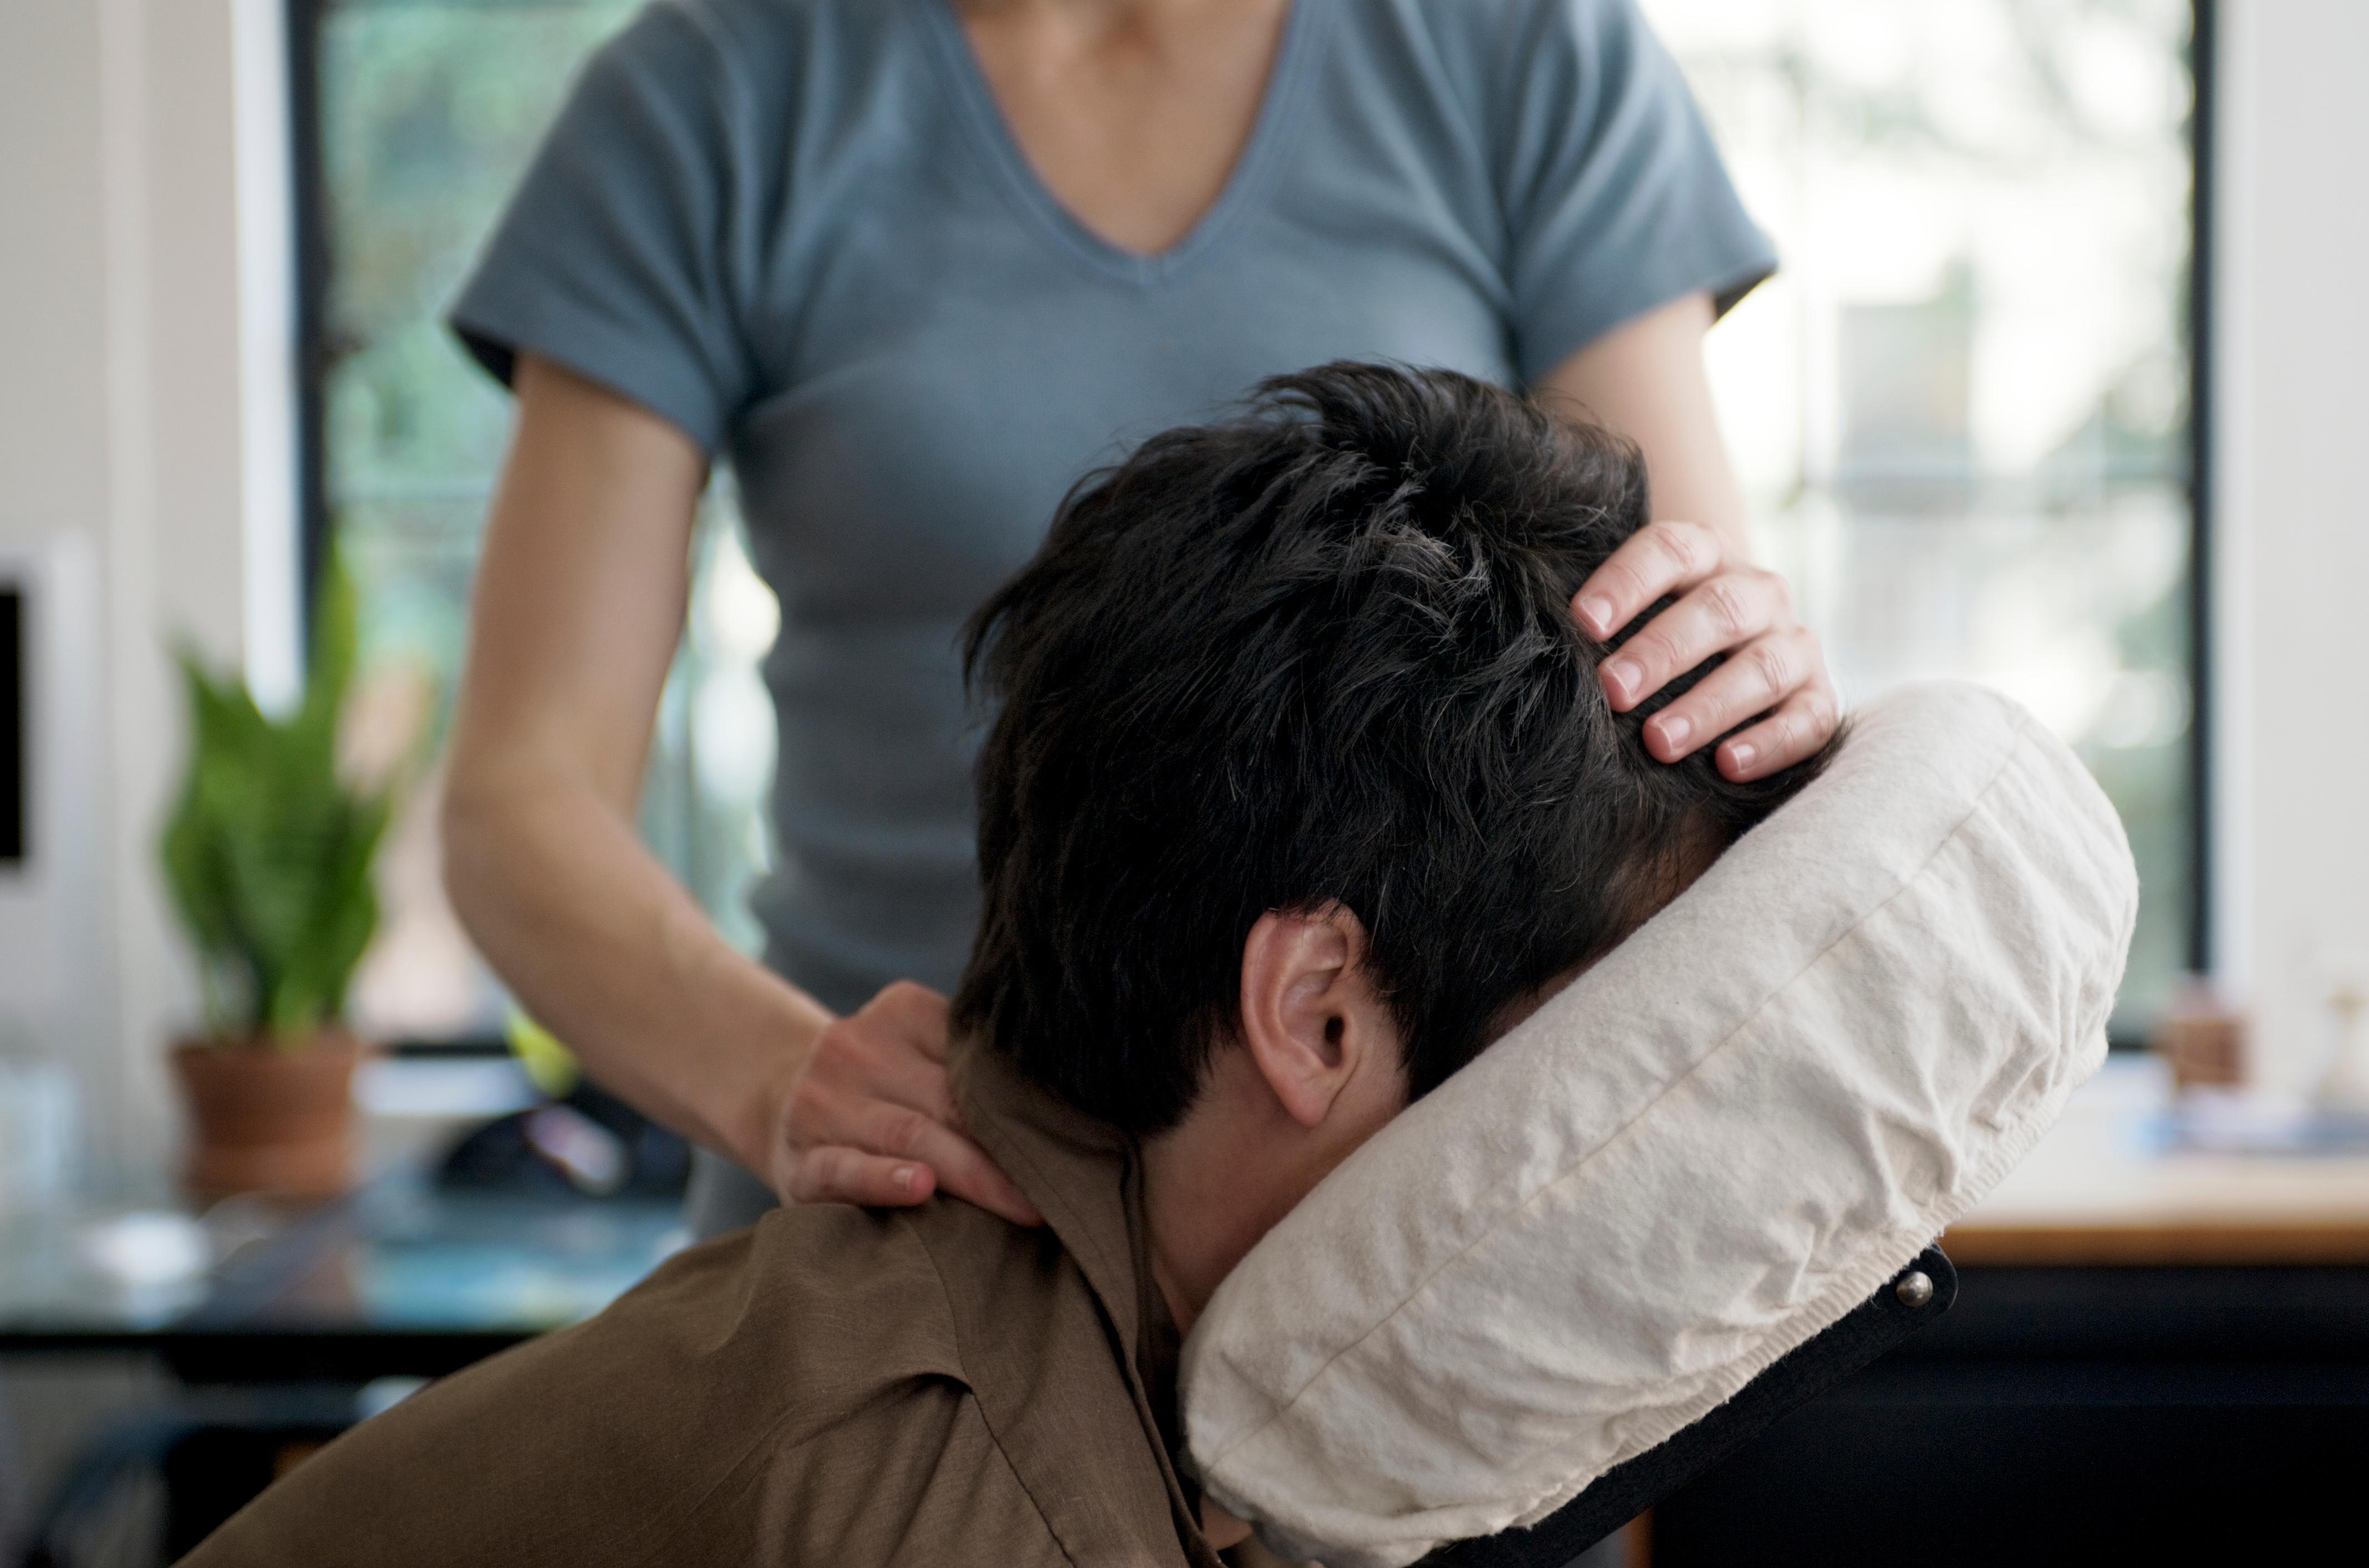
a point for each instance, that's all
(1310, 1019)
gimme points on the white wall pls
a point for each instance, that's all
(2294, 527)
(120, 429)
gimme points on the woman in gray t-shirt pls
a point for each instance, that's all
(915, 266)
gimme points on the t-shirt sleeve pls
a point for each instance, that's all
(617, 257)
(1615, 198)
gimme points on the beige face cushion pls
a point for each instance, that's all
(1707, 1149)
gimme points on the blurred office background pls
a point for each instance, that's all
(1965, 413)
(2000, 416)
(1962, 410)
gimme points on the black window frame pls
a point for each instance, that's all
(2203, 76)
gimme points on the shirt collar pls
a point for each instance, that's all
(1076, 1170)
(1085, 1176)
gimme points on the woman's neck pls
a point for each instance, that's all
(1132, 113)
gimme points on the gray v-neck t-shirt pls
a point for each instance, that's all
(801, 231)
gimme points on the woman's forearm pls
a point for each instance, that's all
(576, 613)
(609, 952)
(1645, 379)
(577, 609)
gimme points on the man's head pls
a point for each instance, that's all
(1318, 657)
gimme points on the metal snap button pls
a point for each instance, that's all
(1913, 1289)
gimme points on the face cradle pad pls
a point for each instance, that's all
(1709, 1148)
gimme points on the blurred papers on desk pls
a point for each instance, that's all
(2132, 1175)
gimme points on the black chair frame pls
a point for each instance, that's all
(1907, 1304)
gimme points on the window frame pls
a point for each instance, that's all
(2203, 74)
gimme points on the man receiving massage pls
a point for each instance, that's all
(1301, 790)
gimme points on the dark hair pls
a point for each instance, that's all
(1321, 652)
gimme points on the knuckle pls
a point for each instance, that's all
(1698, 547)
(1769, 658)
(808, 1107)
(1656, 649)
(1730, 609)
(835, 1048)
(1817, 714)
(1630, 577)
(811, 1177)
(1708, 708)
(1670, 540)
(1732, 701)
(901, 1132)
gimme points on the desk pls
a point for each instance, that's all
(2102, 1190)
(315, 1317)
(397, 1279)
(2156, 1356)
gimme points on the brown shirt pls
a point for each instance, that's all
(835, 1385)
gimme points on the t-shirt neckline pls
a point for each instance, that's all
(1280, 111)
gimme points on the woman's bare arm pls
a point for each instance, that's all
(1646, 380)
(578, 608)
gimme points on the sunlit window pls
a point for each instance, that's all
(1961, 411)
(429, 112)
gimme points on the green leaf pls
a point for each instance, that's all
(268, 853)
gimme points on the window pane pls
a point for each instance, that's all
(429, 113)
(1961, 410)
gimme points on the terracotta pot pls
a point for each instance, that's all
(269, 1118)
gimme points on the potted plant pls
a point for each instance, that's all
(267, 857)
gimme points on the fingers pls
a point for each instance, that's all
(903, 1157)
(872, 1119)
(1724, 614)
(850, 1175)
(965, 1171)
(1757, 676)
(1659, 558)
(958, 1165)
(1802, 723)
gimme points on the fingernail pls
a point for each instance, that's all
(1675, 730)
(903, 1178)
(1742, 754)
(1598, 610)
(1624, 675)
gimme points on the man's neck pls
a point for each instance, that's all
(1218, 1181)
(1236, 1164)
(1201, 1224)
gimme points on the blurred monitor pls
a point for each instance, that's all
(12, 723)
(55, 994)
